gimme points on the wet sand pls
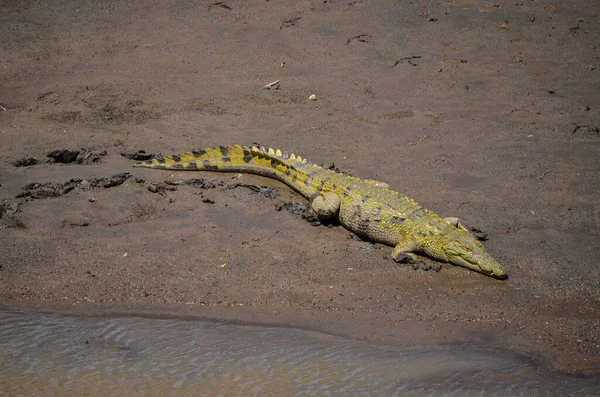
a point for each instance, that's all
(484, 112)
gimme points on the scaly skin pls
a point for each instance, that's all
(365, 207)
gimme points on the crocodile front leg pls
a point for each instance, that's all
(456, 222)
(326, 206)
(403, 251)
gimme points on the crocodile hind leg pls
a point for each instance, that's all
(326, 206)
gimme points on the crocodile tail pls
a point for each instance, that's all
(288, 168)
(210, 159)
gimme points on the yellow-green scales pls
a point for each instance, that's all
(366, 207)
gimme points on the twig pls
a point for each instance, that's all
(408, 59)
(272, 86)
(544, 174)
(363, 38)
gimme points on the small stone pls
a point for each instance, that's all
(92, 200)
(313, 97)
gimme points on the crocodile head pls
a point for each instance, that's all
(461, 248)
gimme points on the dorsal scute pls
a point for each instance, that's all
(277, 154)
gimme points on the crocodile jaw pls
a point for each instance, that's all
(482, 263)
(463, 249)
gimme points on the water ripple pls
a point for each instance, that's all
(52, 355)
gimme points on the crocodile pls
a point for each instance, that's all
(366, 207)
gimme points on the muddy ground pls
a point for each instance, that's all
(481, 110)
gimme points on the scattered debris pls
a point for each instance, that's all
(504, 27)
(264, 190)
(200, 183)
(74, 223)
(8, 209)
(426, 266)
(301, 209)
(517, 60)
(140, 155)
(288, 23)
(294, 207)
(114, 180)
(591, 68)
(83, 156)
(593, 129)
(363, 38)
(313, 97)
(26, 162)
(208, 201)
(161, 188)
(272, 86)
(407, 60)
(432, 19)
(2, 107)
(220, 4)
(47, 190)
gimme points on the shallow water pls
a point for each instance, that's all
(46, 355)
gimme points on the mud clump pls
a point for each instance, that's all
(140, 155)
(264, 190)
(8, 209)
(300, 209)
(50, 190)
(26, 162)
(83, 156)
(172, 186)
(199, 183)
(426, 266)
